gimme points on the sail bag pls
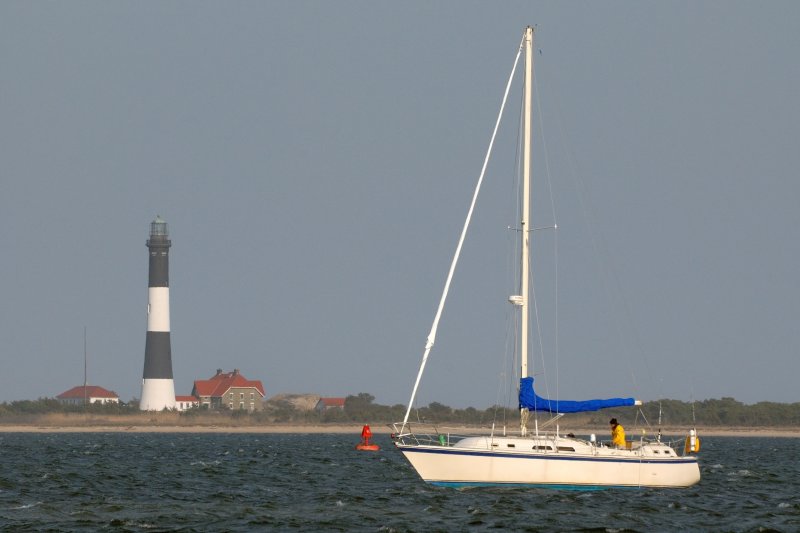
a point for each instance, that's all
(533, 402)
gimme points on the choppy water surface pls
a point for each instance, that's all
(246, 482)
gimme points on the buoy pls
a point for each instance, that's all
(692, 444)
(366, 437)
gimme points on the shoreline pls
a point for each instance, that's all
(378, 429)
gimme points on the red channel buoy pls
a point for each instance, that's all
(366, 444)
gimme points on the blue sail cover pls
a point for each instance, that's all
(531, 401)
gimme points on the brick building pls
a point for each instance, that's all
(229, 390)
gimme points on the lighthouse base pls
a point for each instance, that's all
(157, 395)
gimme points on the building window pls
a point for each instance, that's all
(230, 405)
(252, 395)
(241, 396)
(241, 405)
(252, 406)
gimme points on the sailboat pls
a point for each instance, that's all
(538, 456)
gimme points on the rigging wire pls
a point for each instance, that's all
(554, 226)
(519, 200)
(546, 159)
(503, 392)
(432, 335)
(536, 315)
(511, 354)
(608, 275)
(513, 272)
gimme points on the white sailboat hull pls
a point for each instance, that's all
(476, 461)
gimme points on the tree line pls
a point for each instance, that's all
(361, 408)
(714, 412)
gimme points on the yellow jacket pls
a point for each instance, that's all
(618, 436)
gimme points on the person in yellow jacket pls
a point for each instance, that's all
(617, 434)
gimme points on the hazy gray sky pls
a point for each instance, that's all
(314, 161)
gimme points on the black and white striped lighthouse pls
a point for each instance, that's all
(158, 388)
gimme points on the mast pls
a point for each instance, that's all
(85, 364)
(525, 223)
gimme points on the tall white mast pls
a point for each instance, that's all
(525, 230)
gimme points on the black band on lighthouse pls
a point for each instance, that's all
(157, 356)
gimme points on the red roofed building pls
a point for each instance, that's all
(87, 394)
(329, 403)
(183, 403)
(229, 390)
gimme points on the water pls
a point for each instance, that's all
(262, 482)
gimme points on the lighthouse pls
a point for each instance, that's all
(158, 388)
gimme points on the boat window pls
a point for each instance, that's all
(542, 447)
(566, 449)
(656, 451)
(512, 445)
(494, 444)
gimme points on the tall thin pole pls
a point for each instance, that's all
(525, 223)
(85, 365)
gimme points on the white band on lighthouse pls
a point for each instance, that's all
(157, 395)
(158, 309)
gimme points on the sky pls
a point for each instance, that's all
(315, 161)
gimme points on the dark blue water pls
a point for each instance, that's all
(263, 482)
